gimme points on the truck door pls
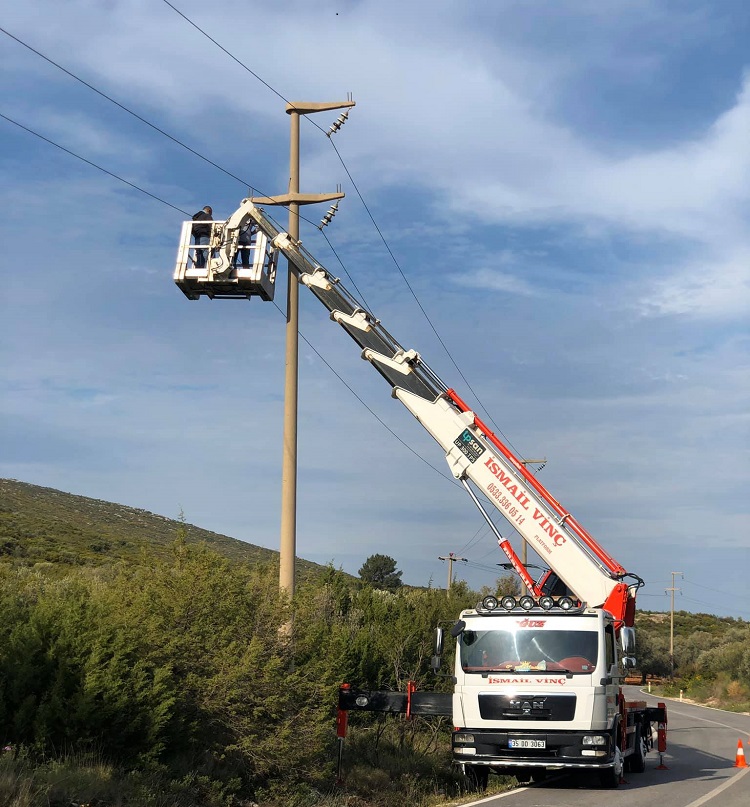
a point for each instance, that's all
(612, 672)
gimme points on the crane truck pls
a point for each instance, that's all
(537, 679)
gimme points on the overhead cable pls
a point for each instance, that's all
(179, 209)
(372, 412)
(364, 204)
(94, 165)
(124, 108)
(229, 173)
(173, 139)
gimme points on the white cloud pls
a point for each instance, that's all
(503, 273)
(716, 289)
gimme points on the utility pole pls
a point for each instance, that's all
(671, 623)
(288, 543)
(451, 558)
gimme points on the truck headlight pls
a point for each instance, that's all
(490, 603)
(594, 739)
(463, 738)
(527, 603)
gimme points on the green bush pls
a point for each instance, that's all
(189, 670)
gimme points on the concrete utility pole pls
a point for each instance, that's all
(671, 623)
(451, 557)
(288, 544)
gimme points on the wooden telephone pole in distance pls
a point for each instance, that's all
(451, 558)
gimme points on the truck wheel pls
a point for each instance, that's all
(477, 776)
(610, 777)
(636, 762)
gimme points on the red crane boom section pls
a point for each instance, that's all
(565, 518)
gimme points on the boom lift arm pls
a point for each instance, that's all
(473, 452)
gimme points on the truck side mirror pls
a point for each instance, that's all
(627, 641)
(437, 650)
(628, 662)
(458, 629)
(438, 645)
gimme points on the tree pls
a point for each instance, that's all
(379, 571)
(507, 584)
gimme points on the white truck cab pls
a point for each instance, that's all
(536, 689)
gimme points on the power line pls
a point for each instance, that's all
(482, 567)
(94, 165)
(451, 558)
(414, 295)
(249, 185)
(234, 176)
(474, 538)
(171, 137)
(233, 57)
(713, 605)
(153, 126)
(244, 182)
(351, 279)
(180, 210)
(124, 108)
(722, 607)
(364, 204)
(371, 411)
(491, 551)
(367, 210)
(716, 591)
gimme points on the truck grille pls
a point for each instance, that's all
(527, 707)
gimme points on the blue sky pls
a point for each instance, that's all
(565, 185)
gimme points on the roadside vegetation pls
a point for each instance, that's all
(172, 682)
(712, 658)
(170, 678)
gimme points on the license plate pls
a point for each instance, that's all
(527, 743)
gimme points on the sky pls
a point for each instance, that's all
(548, 199)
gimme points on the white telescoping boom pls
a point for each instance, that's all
(474, 454)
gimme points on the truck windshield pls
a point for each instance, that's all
(528, 651)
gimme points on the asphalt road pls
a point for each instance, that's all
(700, 759)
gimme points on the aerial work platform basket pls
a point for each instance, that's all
(224, 268)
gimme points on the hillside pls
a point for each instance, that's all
(44, 525)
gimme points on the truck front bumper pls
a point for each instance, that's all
(519, 749)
